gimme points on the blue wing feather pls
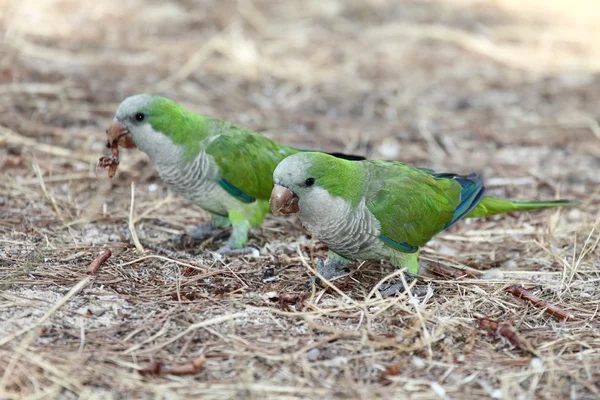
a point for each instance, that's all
(471, 193)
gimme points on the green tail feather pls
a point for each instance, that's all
(492, 206)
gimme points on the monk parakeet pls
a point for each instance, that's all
(379, 209)
(223, 168)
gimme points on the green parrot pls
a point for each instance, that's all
(379, 209)
(223, 168)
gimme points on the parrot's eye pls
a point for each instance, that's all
(309, 181)
(139, 116)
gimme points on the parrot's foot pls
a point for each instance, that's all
(196, 235)
(329, 270)
(398, 287)
(391, 289)
(229, 251)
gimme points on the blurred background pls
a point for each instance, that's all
(505, 88)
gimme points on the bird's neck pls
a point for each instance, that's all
(160, 148)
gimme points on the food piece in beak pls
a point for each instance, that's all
(117, 132)
(118, 135)
(112, 162)
(283, 201)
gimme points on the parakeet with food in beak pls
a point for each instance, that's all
(223, 168)
(379, 209)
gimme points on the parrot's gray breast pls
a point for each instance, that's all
(352, 232)
(196, 182)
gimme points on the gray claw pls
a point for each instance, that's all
(327, 270)
(391, 289)
(196, 235)
(398, 287)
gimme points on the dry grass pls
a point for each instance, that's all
(507, 90)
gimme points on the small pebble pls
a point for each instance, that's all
(536, 363)
(418, 362)
(510, 264)
(313, 354)
(574, 214)
(438, 389)
(492, 274)
(270, 295)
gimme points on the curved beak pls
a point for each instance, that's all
(283, 201)
(118, 133)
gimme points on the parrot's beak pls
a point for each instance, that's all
(283, 201)
(118, 133)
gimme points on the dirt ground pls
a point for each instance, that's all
(504, 88)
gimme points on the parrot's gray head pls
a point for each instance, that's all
(297, 186)
(291, 181)
(138, 104)
(131, 126)
(129, 119)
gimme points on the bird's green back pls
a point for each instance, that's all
(184, 127)
(411, 204)
(246, 159)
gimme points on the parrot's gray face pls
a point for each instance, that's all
(130, 126)
(295, 190)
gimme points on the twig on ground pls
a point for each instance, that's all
(158, 369)
(92, 269)
(538, 302)
(48, 196)
(134, 236)
(505, 330)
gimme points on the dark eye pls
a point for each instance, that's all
(309, 181)
(139, 116)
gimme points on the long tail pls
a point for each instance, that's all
(491, 206)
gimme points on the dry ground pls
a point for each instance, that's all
(501, 88)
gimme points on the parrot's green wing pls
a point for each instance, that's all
(246, 161)
(412, 204)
